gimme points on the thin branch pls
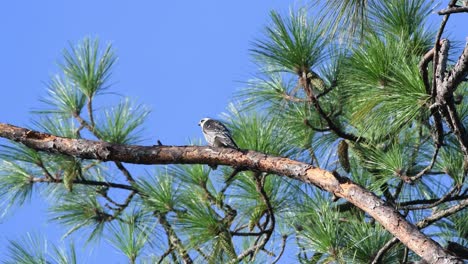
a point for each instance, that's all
(106, 196)
(294, 99)
(443, 199)
(84, 123)
(308, 124)
(235, 233)
(174, 240)
(260, 244)
(411, 179)
(229, 212)
(90, 112)
(124, 171)
(326, 91)
(125, 204)
(88, 182)
(228, 181)
(452, 10)
(379, 255)
(45, 170)
(442, 214)
(423, 69)
(283, 246)
(165, 254)
(458, 127)
(431, 201)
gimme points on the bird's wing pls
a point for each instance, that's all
(220, 132)
(226, 140)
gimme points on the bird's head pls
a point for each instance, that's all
(203, 121)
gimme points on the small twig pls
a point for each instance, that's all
(90, 112)
(458, 127)
(405, 255)
(234, 233)
(411, 179)
(105, 196)
(423, 69)
(165, 254)
(436, 203)
(174, 240)
(326, 91)
(294, 99)
(260, 244)
(84, 123)
(205, 256)
(430, 201)
(45, 170)
(283, 246)
(228, 181)
(308, 124)
(124, 205)
(441, 214)
(124, 171)
(88, 182)
(398, 189)
(226, 208)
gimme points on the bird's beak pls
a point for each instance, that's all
(198, 124)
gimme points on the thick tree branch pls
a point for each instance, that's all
(329, 181)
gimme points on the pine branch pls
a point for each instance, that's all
(329, 181)
(174, 240)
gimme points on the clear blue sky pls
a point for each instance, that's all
(184, 59)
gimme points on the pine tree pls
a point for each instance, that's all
(352, 134)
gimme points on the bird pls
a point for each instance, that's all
(216, 134)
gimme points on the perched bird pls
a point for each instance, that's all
(216, 134)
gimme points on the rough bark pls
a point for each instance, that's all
(343, 187)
